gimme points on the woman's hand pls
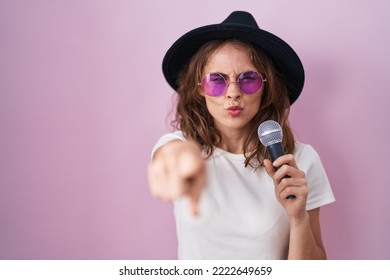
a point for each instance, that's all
(289, 180)
(178, 169)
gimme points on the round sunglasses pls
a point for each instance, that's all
(215, 84)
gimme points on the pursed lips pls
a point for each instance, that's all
(234, 110)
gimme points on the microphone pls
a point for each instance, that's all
(271, 135)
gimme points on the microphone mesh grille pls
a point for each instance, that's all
(270, 133)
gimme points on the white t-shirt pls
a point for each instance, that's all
(240, 217)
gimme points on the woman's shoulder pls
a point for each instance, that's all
(174, 135)
(167, 137)
(303, 151)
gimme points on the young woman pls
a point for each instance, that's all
(230, 200)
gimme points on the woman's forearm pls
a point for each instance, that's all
(303, 244)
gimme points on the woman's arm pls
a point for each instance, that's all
(305, 231)
(305, 238)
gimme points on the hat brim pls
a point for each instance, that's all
(282, 55)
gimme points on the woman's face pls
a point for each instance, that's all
(232, 110)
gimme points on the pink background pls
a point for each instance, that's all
(83, 100)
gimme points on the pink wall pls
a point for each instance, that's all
(83, 99)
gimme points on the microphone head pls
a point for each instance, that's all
(270, 133)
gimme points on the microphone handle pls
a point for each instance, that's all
(276, 150)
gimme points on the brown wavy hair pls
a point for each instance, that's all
(194, 120)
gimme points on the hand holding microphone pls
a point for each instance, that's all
(271, 136)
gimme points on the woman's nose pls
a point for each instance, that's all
(233, 91)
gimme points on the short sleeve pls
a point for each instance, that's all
(320, 191)
(176, 135)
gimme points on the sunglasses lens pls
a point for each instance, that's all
(250, 82)
(213, 84)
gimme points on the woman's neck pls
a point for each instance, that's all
(233, 142)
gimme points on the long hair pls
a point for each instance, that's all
(194, 120)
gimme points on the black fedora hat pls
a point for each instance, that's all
(238, 25)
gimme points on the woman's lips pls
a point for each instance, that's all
(234, 111)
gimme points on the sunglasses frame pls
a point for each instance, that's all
(228, 82)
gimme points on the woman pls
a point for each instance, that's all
(231, 77)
